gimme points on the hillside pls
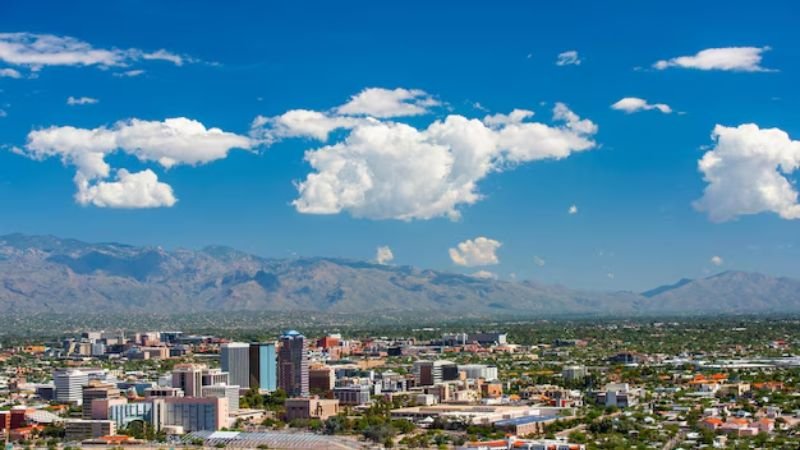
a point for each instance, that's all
(49, 274)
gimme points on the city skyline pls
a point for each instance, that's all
(518, 142)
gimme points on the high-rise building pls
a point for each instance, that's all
(97, 390)
(235, 359)
(189, 378)
(293, 364)
(263, 371)
(69, 385)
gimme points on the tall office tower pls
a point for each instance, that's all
(263, 372)
(235, 359)
(97, 390)
(69, 385)
(189, 378)
(293, 364)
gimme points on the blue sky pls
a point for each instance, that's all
(633, 186)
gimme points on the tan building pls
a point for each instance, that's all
(311, 408)
(97, 390)
(79, 430)
(492, 390)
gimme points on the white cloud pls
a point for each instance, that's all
(72, 101)
(301, 123)
(500, 120)
(164, 55)
(747, 171)
(39, 50)
(384, 255)
(129, 73)
(129, 190)
(170, 142)
(634, 104)
(568, 58)
(741, 59)
(538, 261)
(716, 260)
(485, 275)
(388, 170)
(3, 113)
(9, 73)
(573, 209)
(384, 103)
(480, 251)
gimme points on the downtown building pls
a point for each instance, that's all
(235, 359)
(69, 385)
(187, 413)
(263, 366)
(97, 390)
(427, 373)
(192, 378)
(293, 364)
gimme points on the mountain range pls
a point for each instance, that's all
(46, 274)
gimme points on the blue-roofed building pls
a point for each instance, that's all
(293, 364)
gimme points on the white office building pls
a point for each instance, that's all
(69, 385)
(235, 359)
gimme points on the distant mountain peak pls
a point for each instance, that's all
(42, 273)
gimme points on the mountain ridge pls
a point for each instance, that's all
(47, 273)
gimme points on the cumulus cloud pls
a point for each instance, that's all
(168, 143)
(9, 73)
(480, 251)
(384, 103)
(634, 104)
(129, 190)
(384, 255)
(39, 50)
(716, 260)
(573, 209)
(746, 171)
(72, 101)
(741, 59)
(301, 123)
(538, 261)
(384, 169)
(499, 120)
(568, 58)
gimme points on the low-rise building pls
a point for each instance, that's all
(82, 429)
(311, 408)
